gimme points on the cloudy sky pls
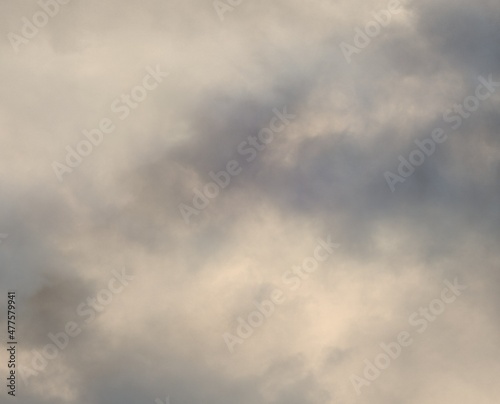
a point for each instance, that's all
(356, 148)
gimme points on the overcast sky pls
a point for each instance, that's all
(202, 82)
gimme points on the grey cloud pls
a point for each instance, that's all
(324, 174)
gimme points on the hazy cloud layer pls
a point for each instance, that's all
(323, 174)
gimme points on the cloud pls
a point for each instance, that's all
(324, 174)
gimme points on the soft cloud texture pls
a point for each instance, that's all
(323, 175)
